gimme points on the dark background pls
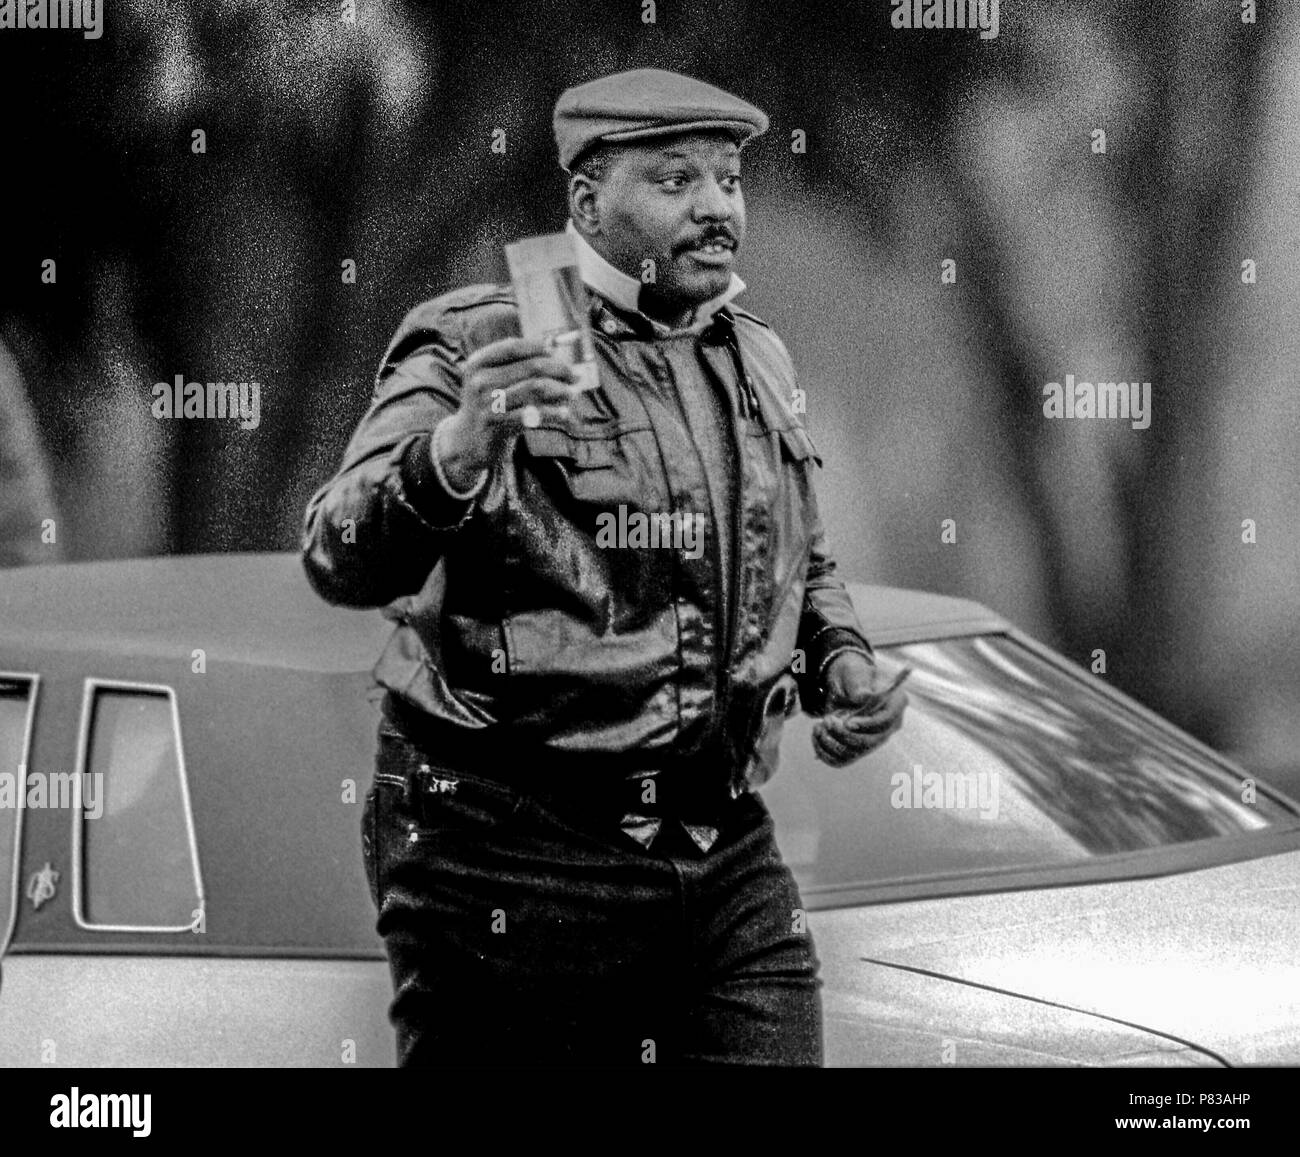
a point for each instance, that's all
(328, 141)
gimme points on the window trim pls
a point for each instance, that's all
(24, 762)
(1116, 868)
(90, 690)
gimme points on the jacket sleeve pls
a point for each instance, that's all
(375, 531)
(828, 624)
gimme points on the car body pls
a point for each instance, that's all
(1034, 870)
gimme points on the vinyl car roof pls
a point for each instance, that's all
(259, 609)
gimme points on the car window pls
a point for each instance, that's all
(1005, 760)
(17, 698)
(138, 867)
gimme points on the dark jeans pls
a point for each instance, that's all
(520, 931)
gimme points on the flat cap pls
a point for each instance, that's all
(647, 102)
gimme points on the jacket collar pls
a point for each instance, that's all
(624, 291)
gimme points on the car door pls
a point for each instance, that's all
(117, 953)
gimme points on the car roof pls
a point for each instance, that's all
(259, 609)
(898, 615)
(239, 608)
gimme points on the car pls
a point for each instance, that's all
(1035, 870)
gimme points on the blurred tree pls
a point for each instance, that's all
(26, 497)
(328, 143)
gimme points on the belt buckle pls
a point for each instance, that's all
(685, 795)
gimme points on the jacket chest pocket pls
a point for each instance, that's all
(779, 515)
(797, 446)
(590, 471)
(780, 465)
(798, 457)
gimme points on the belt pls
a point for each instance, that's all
(604, 785)
(654, 793)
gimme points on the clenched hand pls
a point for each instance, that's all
(864, 707)
(505, 387)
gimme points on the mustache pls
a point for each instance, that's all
(708, 235)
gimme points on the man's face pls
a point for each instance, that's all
(674, 202)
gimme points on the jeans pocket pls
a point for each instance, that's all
(419, 797)
(447, 803)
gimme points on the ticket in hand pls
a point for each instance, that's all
(553, 301)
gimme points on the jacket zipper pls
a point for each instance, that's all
(744, 397)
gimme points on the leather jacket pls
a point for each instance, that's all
(518, 635)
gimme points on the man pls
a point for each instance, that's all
(567, 859)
